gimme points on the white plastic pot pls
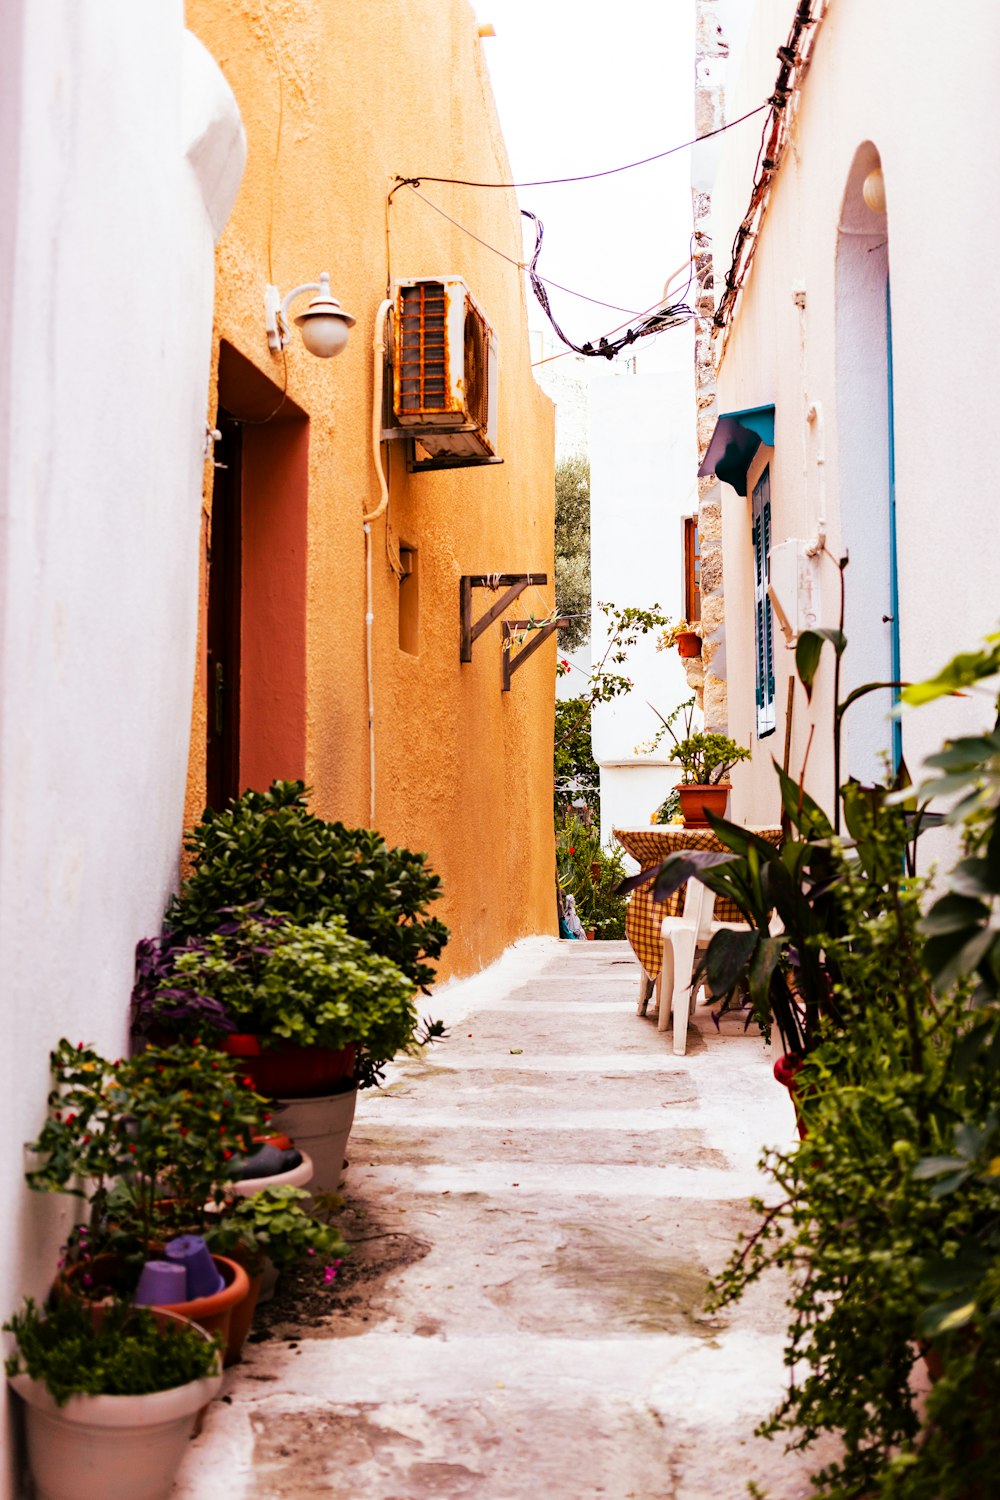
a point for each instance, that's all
(321, 1128)
(299, 1177)
(110, 1447)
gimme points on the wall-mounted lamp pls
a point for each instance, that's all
(873, 191)
(324, 324)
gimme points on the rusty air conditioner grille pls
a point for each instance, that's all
(476, 366)
(423, 353)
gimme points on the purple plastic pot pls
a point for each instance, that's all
(191, 1252)
(161, 1283)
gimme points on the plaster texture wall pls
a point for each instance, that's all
(936, 161)
(106, 239)
(336, 100)
(643, 466)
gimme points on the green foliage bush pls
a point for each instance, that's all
(888, 1221)
(573, 549)
(267, 848)
(167, 1123)
(598, 904)
(279, 1223)
(129, 1354)
(577, 774)
(311, 984)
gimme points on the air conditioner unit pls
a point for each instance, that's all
(445, 373)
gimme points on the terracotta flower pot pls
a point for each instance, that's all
(688, 644)
(785, 1071)
(99, 1447)
(284, 1070)
(213, 1314)
(698, 799)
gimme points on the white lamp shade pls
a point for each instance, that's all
(324, 324)
(324, 334)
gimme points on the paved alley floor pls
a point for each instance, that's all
(557, 1188)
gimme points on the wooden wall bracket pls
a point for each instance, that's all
(513, 584)
(539, 635)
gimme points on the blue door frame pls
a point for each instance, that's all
(897, 728)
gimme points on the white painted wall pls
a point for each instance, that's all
(120, 151)
(940, 153)
(643, 467)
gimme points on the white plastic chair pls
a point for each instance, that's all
(683, 937)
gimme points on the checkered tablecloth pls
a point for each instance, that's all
(644, 917)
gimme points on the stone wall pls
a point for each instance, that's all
(708, 676)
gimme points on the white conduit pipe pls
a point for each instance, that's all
(378, 352)
(814, 414)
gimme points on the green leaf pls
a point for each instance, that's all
(953, 913)
(945, 1317)
(804, 813)
(729, 954)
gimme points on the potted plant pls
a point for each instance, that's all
(148, 1142)
(267, 848)
(308, 1010)
(886, 1217)
(110, 1402)
(686, 637)
(275, 1228)
(706, 758)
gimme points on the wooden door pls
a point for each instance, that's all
(224, 617)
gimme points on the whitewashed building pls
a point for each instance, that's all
(121, 149)
(856, 365)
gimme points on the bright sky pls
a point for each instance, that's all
(581, 87)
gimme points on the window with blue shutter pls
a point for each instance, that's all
(763, 623)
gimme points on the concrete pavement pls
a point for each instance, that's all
(566, 1187)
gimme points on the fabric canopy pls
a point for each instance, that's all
(737, 436)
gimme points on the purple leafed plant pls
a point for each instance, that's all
(160, 995)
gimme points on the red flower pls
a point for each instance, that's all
(572, 849)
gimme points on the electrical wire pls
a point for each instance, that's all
(520, 265)
(795, 57)
(588, 176)
(687, 266)
(656, 321)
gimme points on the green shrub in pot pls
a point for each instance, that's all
(280, 1224)
(268, 848)
(110, 1400)
(312, 984)
(127, 1352)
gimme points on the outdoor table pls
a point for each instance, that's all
(643, 916)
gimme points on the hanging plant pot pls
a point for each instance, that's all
(688, 644)
(697, 800)
(785, 1070)
(282, 1070)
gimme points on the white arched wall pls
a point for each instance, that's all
(863, 445)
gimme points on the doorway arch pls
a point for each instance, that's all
(866, 469)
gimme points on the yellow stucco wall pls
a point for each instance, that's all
(361, 92)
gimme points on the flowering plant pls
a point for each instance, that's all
(164, 1125)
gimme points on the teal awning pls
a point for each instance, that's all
(737, 436)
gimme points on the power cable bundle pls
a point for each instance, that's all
(670, 316)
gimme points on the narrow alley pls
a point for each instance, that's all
(539, 1202)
